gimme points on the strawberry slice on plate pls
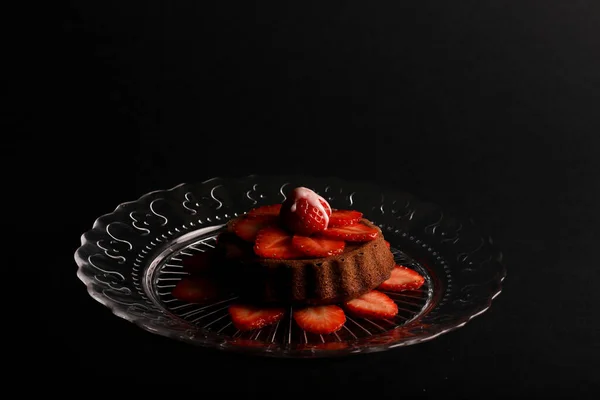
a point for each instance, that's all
(320, 319)
(272, 242)
(373, 304)
(195, 290)
(248, 317)
(358, 232)
(272, 209)
(247, 227)
(402, 278)
(344, 218)
(318, 247)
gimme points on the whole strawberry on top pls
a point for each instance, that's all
(304, 212)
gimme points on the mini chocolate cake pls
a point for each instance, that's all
(312, 281)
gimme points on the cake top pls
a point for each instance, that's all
(303, 226)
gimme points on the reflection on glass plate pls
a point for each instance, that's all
(132, 258)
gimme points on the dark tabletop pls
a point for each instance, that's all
(489, 108)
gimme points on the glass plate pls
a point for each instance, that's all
(132, 258)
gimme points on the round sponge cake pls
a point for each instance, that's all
(311, 281)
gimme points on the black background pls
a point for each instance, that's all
(490, 108)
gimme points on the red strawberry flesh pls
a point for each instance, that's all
(247, 317)
(344, 218)
(272, 242)
(318, 247)
(402, 278)
(320, 319)
(373, 304)
(358, 232)
(247, 227)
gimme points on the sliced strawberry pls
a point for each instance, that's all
(247, 317)
(247, 227)
(358, 232)
(272, 242)
(402, 278)
(318, 247)
(304, 212)
(198, 263)
(373, 304)
(320, 319)
(388, 244)
(195, 290)
(344, 218)
(272, 209)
